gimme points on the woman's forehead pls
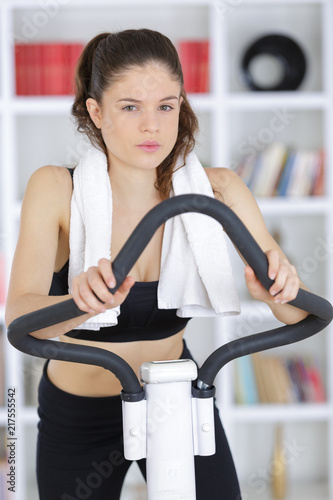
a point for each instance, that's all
(149, 82)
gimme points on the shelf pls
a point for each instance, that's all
(202, 102)
(42, 105)
(280, 413)
(35, 4)
(248, 101)
(294, 206)
(288, 2)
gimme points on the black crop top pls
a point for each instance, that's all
(139, 319)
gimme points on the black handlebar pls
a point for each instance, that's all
(321, 312)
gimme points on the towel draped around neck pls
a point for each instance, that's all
(195, 277)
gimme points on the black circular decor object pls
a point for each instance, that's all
(288, 54)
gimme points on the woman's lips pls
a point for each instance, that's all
(149, 146)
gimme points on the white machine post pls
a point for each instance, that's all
(170, 452)
(168, 427)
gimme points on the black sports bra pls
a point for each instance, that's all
(139, 319)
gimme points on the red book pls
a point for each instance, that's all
(317, 384)
(72, 54)
(54, 69)
(34, 69)
(194, 58)
(204, 66)
(20, 58)
(188, 52)
(196, 66)
(28, 69)
(318, 185)
(185, 60)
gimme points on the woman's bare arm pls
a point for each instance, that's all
(238, 197)
(45, 207)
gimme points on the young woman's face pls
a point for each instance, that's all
(139, 117)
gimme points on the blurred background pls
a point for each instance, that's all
(259, 76)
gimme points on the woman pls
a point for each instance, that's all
(131, 103)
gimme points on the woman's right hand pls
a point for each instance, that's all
(97, 280)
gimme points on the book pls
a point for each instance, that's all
(46, 68)
(247, 392)
(269, 379)
(272, 162)
(277, 171)
(318, 179)
(53, 69)
(72, 55)
(28, 67)
(194, 58)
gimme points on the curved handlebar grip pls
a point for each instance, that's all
(320, 309)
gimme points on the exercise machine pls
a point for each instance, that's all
(168, 419)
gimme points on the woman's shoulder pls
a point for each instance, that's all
(50, 187)
(220, 175)
(51, 179)
(225, 183)
(51, 173)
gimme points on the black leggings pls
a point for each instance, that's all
(80, 452)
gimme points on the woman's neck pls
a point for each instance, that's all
(134, 188)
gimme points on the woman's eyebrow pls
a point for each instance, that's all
(129, 99)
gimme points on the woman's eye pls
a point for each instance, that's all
(166, 107)
(129, 108)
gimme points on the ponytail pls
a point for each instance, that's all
(85, 88)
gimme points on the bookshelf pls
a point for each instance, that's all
(228, 114)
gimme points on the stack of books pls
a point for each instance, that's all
(194, 58)
(46, 68)
(267, 379)
(278, 171)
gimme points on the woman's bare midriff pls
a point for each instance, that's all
(94, 381)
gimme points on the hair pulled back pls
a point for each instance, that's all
(104, 61)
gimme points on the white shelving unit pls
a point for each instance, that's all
(36, 131)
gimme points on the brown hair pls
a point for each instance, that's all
(103, 62)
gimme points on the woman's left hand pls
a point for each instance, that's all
(286, 282)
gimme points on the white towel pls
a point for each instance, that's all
(196, 276)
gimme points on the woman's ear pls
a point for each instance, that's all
(94, 111)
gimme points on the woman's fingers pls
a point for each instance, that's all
(124, 289)
(290, 286)
(286, 282)
(254, 286)
(105, 268)
(84, 297)
(97, 284)
(90, 289)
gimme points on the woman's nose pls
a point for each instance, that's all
(150, 122)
